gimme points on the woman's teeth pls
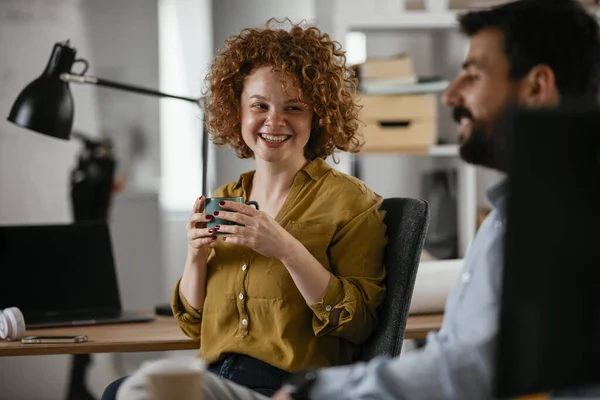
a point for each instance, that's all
(274, 138)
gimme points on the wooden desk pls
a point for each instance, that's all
(163, 334)
(418, 326)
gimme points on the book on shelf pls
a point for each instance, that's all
(399, 80)
(395, 67)
(421, 85)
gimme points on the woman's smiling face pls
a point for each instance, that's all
(276, 124)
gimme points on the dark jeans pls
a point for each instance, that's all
(244, 370)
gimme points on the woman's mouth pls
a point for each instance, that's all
(273, 138)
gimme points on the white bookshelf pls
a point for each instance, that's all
(404, 20)
(444, 150)
(389, 15)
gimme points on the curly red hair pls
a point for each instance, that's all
(308, 60)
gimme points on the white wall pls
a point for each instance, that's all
(124, 46)
(119, 39)
(33, 168)
(186, 48)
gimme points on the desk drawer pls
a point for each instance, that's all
(399, 136)
(399, 107)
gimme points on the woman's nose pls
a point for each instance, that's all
(275, 119)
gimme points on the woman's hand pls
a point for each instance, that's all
(260, 232)
(264, 235)
(199, 236)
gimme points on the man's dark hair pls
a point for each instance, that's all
(558, 33)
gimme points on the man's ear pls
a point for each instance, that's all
(538, 88)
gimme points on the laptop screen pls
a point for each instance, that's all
(550, 309)
(58, 270)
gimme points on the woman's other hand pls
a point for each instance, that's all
(198, 235)
(192, 286)
(260, 232)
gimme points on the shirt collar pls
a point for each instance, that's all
(498, 193)
(244, 181)
(315, 169)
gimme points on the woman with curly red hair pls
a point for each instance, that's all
(297, 283)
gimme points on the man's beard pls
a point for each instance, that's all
(487, 144)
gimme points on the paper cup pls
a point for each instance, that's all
(174, 379)
(182, 385)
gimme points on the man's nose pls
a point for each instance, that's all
(451, 96)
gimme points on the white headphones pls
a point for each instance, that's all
(12, 324)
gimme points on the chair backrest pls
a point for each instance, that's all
(407, 221)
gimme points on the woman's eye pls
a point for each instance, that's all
(259, 105)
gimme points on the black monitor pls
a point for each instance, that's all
(53, 271)
(549, 319)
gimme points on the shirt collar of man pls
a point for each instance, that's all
(497, 195)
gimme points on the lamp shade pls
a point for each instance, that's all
(46, 104)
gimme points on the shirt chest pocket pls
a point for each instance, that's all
(316, 238)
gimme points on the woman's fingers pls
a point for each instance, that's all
(233, 229)
(239, 207)
(199, 204)
(200, 233)
(197, 243)
(234, 217)
(199, 218)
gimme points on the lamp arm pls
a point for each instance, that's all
(84, 79)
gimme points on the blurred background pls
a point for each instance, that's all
(167, 45)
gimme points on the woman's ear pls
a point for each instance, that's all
(539, 87)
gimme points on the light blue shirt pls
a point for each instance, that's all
(457, 361)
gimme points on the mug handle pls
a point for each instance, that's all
(252, 203)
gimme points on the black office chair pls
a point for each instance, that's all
(407, 221)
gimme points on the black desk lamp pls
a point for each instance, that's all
(46, 106)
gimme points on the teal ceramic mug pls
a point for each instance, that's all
(211, 204)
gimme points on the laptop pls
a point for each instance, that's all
(550, 308)
(61, 275)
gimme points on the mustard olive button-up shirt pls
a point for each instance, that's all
(253, 306)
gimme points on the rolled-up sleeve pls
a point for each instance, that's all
(188, 317)
(356, 286)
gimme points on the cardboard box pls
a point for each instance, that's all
(398, 107)
(387, 67)
(408, 137)
(402, 123)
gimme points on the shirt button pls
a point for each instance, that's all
(328, 308)
(241, 296)
(244, 267)
(466, 277)
(244, 322)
